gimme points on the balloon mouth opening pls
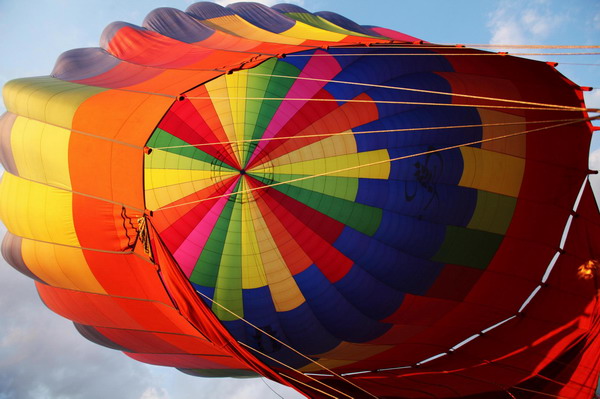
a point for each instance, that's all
(257, 176)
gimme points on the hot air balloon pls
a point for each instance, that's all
(344, 209)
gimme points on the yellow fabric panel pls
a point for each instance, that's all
(338, 187)
(298, 166)
(222, 103)
(253, 274)
(339, 144)
(237, 26)
(159, 197)
(41, 152)
(161, 158)
(236, 88)
(493, 213)
(513, 146)
(304, 31)
(46, 99)
(169, 177)
(491, 171)
(284, 291)
(60, 266)
(36, 211)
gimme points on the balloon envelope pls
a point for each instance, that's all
(341, 208)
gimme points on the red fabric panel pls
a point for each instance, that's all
(191, 307)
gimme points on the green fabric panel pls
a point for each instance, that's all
(276, 88)
(466, 247)
(160, 159)
(321, 23)
(493, 212)
(257, 86)
(207, 267)
(228, 290)
(340, 187)
(363, 218)
(161, 138)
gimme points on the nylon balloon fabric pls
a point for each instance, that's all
(345, 209)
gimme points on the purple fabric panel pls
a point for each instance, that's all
(6, 156)
(207, 10)
(176, 24)
(263, 17)
(11, 252)
(289, 8)
(83, 63)
(93, 335)
(344, 22)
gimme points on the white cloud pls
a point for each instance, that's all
(43, 357)
(592, 98)
(596, 21)
(516, 22)
(154, 393)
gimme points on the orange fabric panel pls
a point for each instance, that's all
(117, 312)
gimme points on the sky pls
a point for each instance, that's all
(41, 354)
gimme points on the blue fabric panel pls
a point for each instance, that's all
(383, 70)
(449, 163)
(351, 55)
(83, 63)
(207, 10)
(399, 270)
(263, 17)
(425, 200)
(176, 24)
(413, 99)
(298, 62)
(421, 117)
(258, 306)
(306, 332)
(416, 237)
(334, 311)
(297, 328)
(371, 296)
(208, 291)
(344, 22)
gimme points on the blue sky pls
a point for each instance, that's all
(41, 354)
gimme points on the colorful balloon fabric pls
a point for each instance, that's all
(345, 209)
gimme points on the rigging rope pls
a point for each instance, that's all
(416, 90)
(554, 108)
(377, 163)
(282, 343)
(434, 54)
(351, 133)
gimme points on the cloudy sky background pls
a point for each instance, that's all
(41, 354)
